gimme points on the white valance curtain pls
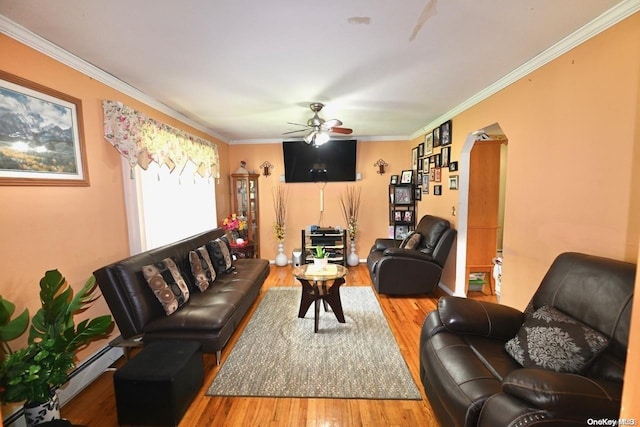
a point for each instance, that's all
(143, 140)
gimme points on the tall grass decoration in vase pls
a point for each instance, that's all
(350, 204)
(280, 197)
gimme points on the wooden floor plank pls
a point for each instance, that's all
(95, 406)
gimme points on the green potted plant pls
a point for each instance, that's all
(33, 373)
(320, 259)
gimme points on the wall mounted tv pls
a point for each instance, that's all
(333, 161)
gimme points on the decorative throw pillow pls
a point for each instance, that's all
(411, 241)
(166, 282)
(552, 340)
(202, 268)
(220, 255)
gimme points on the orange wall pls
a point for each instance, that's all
(571, 163)
(73, 229)
(304, 198)
(573, 178)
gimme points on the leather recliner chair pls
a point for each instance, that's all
(410, 271)
(472, 380)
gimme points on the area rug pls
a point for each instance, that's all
(279, 355)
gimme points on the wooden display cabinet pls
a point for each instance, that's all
(245, 202)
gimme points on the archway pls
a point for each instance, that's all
(488, 133)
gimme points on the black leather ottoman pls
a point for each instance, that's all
(157, 385)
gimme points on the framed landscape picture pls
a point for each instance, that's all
(41, 135)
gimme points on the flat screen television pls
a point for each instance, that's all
(333, 161)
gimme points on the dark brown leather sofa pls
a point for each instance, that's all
(471, 380)
(401, 271)
(209, 317)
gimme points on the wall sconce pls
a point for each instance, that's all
(265, 168)
(381, 165)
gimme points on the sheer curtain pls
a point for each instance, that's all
(175, 206)
(164, 207)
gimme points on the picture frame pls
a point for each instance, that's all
(437, 160)
(394, 179)
(54, 150)
(425, 183)
(401, 231)
(446, 133)
(437, 174)
(437, 190)
(428, 144)
(453, 166)
(397, 216)
(408, 216)
(406, 177)
(418, 193)
(420, 163)
(402, 195)
(453, 182)
(421, 149)
(414, 158)
(436, 137)
(445, 154)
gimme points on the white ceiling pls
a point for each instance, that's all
(242, 69)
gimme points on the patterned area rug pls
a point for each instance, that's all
(279, 355)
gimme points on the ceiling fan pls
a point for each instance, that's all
(319, 130)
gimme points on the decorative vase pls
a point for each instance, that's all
(352, 258)
(281, 257)
(38, 413)
(321, 263)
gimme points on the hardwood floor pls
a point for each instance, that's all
(95, 406)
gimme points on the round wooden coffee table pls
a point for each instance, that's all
(321, 284)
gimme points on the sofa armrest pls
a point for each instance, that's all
(382, 244)
(570, 394)
(467, 316)
(407, 253)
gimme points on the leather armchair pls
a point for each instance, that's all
(471, 380)
(401, 271)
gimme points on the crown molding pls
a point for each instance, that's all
(608, 19)
(45, 47)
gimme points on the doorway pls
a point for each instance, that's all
(481, 209)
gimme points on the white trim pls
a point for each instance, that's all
(463, 215)
(611, 17)
(445, 288)
(359, 138)
(135, 214)
(88, 374)
(45, 47)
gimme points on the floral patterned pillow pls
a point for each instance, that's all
(552, 340)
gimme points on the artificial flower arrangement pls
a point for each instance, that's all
(234, 223)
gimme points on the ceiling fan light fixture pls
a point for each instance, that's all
(321, 138)
(310, 137)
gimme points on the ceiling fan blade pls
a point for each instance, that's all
(344, 131)
(297, 124)
(328, 124)
(294, 131)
